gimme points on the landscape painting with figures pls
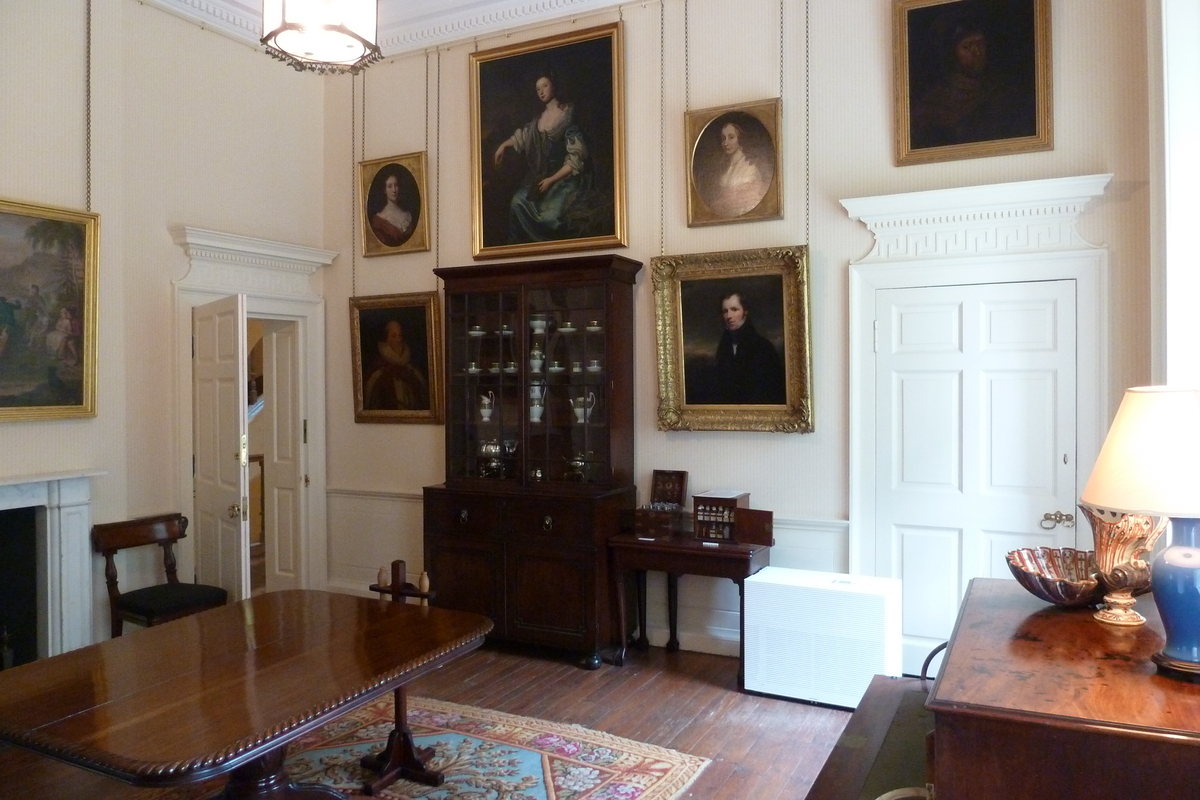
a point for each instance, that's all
(47, 312)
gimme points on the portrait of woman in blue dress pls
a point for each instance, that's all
(546, 135)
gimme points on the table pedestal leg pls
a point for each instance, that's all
(619, 658)
(400, 758)
(673, 611)
(264, 778)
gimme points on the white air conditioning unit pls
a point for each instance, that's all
(820, 636)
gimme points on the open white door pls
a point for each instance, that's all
(221, 476)
(282, 471)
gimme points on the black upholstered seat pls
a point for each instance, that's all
(153, 604)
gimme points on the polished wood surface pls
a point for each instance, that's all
(1036, 700)
(211, 692)
(764, 748)
(676, 555)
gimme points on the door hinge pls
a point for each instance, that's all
(875, 336)
(305, 431)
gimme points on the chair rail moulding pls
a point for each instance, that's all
(1022, 217)
(217, 261)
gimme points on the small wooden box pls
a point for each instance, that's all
(715, 513)
(669, 486)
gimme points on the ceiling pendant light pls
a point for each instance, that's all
(323, 36)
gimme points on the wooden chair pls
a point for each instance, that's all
(153, 604)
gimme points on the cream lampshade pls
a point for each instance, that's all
(322, 36)
(1149, 467)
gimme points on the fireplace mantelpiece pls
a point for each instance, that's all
(64, 554)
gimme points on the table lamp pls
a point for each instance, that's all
(1150, 465)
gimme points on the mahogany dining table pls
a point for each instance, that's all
(224, 691)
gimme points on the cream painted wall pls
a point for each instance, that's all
(1100, 122)
(192, 128)
(188, 127)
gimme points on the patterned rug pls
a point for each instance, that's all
(489, 755)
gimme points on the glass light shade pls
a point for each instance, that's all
(1150, 461)
(322, 35)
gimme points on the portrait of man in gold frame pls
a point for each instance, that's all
(735, 166)
(48, 283)
(393, 208)
(972, 78)
(548, 145)
(396, 357)
(734, 350)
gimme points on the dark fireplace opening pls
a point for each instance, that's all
(18, 585)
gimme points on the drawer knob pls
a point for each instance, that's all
(463, 516)
(547, 523)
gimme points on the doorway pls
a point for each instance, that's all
(281, 288)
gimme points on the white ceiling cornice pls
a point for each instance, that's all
(404, 25)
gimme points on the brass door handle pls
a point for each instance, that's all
(235, 511)
(1056, 518)
(547, 523)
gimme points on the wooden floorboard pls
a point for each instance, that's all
(763, 748)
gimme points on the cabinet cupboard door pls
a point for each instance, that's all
(551, 591)
(468, 575)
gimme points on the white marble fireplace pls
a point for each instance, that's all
(64, 554)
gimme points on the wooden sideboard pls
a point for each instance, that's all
(1038, 701)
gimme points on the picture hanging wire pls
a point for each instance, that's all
(662, 127)
(437, 180)
(807, 131)
(87, 112)
(687, 60)
(353, 179)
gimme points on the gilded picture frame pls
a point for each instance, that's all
(48, 282)
(704, 304)
(972, 79)
(393, 209)
(734, 163)
(534, 193)
(396, 356)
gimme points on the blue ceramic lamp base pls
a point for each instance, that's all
(1175, 578)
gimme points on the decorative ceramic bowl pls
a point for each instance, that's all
(1060, 575)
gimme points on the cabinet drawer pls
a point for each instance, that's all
(467, 514)
(542, 516)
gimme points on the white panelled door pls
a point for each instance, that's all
(282, 472)
(221, 474)
(975, 439)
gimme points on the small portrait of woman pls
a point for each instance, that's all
(393, 212)
(734, 166)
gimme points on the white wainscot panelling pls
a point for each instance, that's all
(369, 530)
(708, 607)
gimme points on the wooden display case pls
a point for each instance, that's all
(539, 446)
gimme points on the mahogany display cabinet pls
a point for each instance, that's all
(539, 447)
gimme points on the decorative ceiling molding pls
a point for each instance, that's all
(1024, 216)
(404, 25)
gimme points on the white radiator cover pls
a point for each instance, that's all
(820, 636)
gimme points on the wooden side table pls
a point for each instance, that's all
(678, 555)
(1039, 701)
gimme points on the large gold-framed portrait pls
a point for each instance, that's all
(973, 78)
(48, 285)
(734, 348)
(548, 145)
